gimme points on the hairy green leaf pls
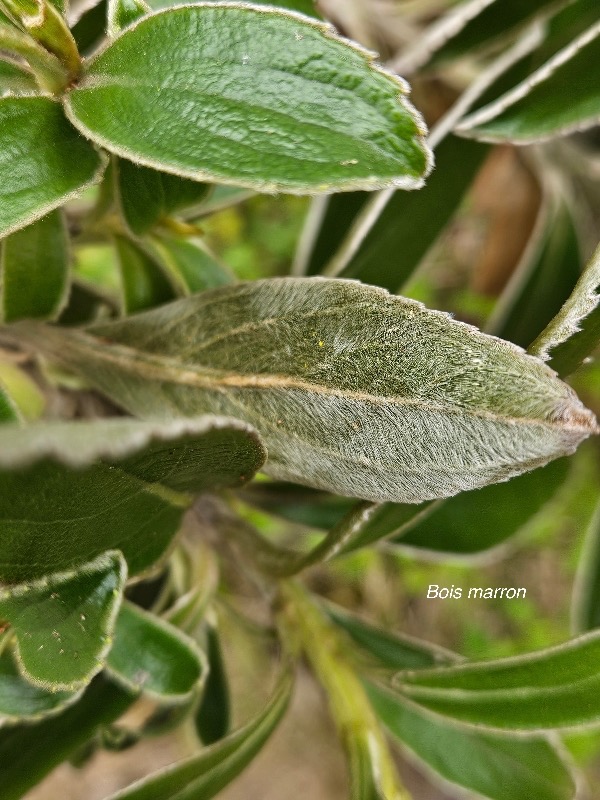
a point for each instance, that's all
(256, 97)
(212, 719)
(535, 110)
(496, 767)
(205, 774)
(43, 160)
(63, 622)
(35, 270)
(70, 491)
(143, 283)
(354, 390)
(16, 78)
(150, 655)
(553, 688)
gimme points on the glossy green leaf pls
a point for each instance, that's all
(70, 491)
(205, 774)
(143, 283)
(338, 378)
(553, 688)
(63, 622)
(35, 270)
(150, 655)
(535, 110)
(191, 267)
(147, 196)
(574, 333)
(390, 650)
(29, 752)
(473, 522)
(212, 719)
(548, 276)
(395, 245)
(586, 604)
(496, 767)
(122, 13)
(256, 97)
(21, 700)
(43, 161)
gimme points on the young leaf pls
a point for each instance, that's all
(192, 268)
(574, 332)
(70, 491)
(152, 656)
(212, 718)
(143, 282)
(43, 161)
(35, 270)
(535, 110)
(29, 752)
(63, 622)
(205, 774)
(354, 390)
(553, 688)
(20, 700)
(251, 96)
(497, 767)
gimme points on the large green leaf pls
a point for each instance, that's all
(496, 767)
(553, 688)
(43, 160)
(205, 774)
(536, 110)
(35, 270)
(354, 390)
(63, 623)
(70, 491)
(255, 97)
(150, 655)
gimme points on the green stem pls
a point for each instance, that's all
(371, 764)
(50, 74)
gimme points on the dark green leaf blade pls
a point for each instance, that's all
(256, 97)
(70, 491)
(150, 655)
(553, 688)
(63, 623)
(35, 270)
(337, 377)
(43, 160)
(8, 410)
(212, 719)
(496, 767)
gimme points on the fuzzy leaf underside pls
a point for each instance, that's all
(353, 390)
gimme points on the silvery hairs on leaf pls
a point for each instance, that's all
(353, 390)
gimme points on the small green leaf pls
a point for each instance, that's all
(70, 491)
(554, 688)
(205, 774)
(21, 700)
(574, 332)
(147, 196)
(298, 504)
(63, 622)
(497, 767)
(354, 390)
(35, 270)
(29, 752)
(143, 282)
(192, 267)
(586, 603)
(90, 26)
(8, 410)
(22, 392)
(212, 718)
(535, 110)
(150, 655)
(122, 13)
(256, 97)
(43, 161)
(16, 78)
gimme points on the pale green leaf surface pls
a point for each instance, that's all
(43, 160)
(150, 655)
(353, 390)
(56, 512)
(21, 700)
(252, 96)
(554, 688)
(205, 774)
(35, 270)
(574, 333)
(143, 283)
(496, 767)
(193, 269)
(535, 110)
(213, 717)
(63, 622)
